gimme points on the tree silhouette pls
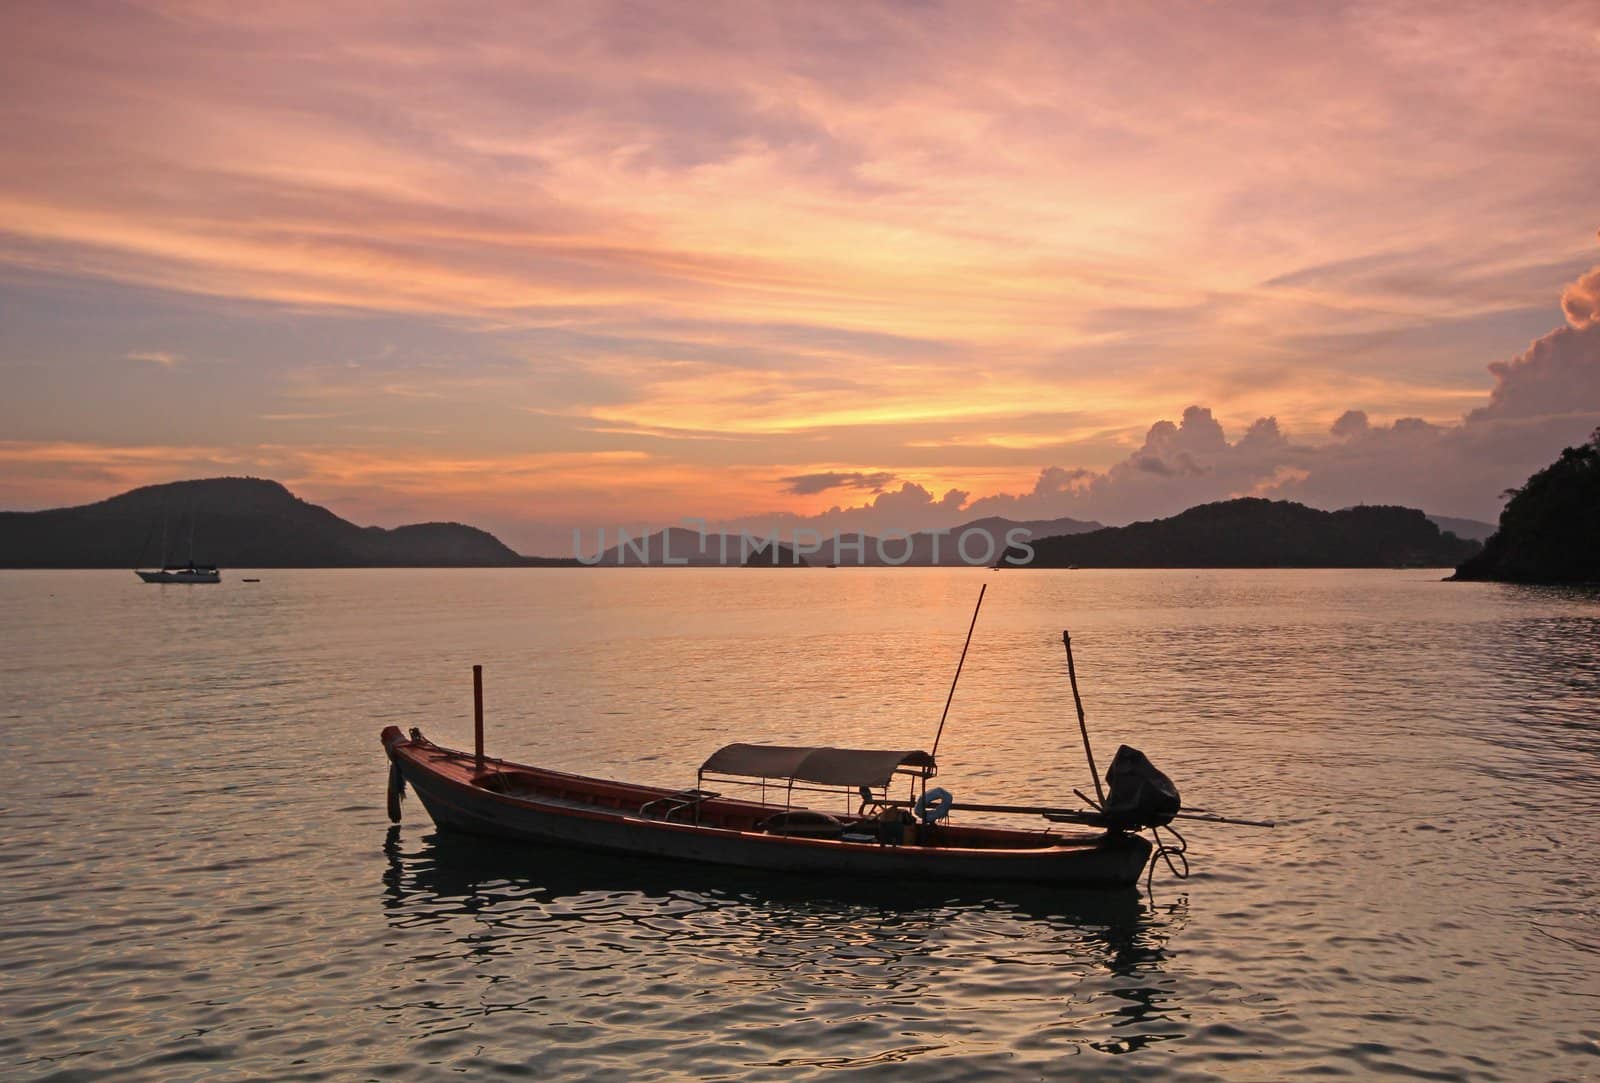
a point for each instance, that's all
(1550, 527)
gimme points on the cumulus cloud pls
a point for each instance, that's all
(911, 507)
(1558, 374)
(1351, 423)
(1542, 400)
(1055, 488)
(1581, 300)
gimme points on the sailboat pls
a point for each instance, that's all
(188, 572)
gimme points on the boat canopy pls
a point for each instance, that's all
(824, 766)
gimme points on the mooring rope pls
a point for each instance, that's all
(1167, 854)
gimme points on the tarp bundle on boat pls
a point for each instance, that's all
(1141, 796)
(823, 766)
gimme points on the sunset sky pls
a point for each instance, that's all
(537, 266)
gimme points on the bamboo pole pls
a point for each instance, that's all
(935, 753)
(1214, 818)
(1083, 726)
(477, 717)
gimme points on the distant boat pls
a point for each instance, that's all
(187, 572)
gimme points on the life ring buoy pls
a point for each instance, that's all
(934, 805)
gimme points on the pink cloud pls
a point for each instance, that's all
(1581, 300)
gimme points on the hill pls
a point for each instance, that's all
(1256, 533)
(776, 556)
(1466, 529)
(1550, 528)
(233, 522)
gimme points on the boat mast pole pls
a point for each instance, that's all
(1083, 726)
(477, 716)
(935, 753)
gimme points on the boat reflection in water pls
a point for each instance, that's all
(758, 970)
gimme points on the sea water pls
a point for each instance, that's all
(198, 880)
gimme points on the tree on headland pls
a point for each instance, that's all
(1550, 528)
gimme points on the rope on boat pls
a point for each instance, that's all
(1167, 853)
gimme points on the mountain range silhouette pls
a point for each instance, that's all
(257, 523)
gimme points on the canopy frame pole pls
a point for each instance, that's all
(1083, 726)
(947, 700)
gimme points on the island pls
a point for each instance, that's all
(776, 555)
(1251, 532)
(239, 523)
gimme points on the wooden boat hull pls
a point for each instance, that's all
(551, 807)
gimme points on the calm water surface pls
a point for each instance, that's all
(198, 881)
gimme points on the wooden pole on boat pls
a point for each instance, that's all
(952, 695)
(1083, 726)
(477, 716)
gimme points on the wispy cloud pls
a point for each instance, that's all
(807, 484)
(154, 357)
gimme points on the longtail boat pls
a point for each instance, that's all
(907, 838)
(884, 836)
